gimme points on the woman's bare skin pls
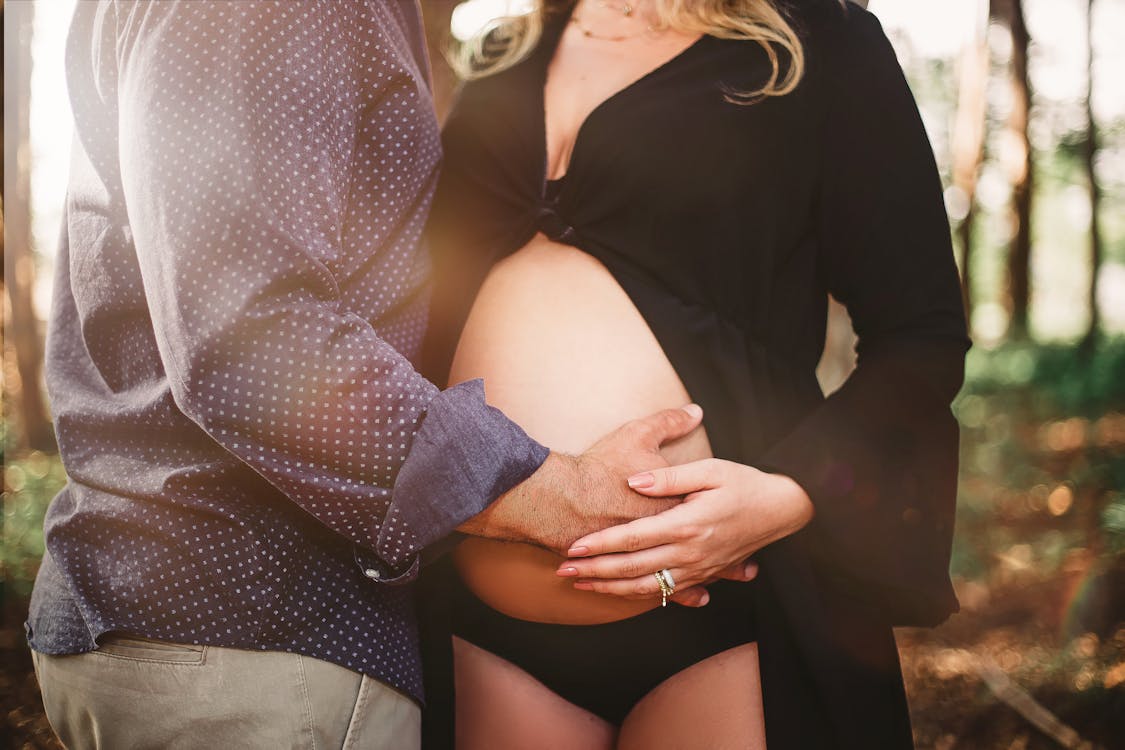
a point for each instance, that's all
(564, 352)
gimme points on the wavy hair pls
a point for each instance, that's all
(508, 40)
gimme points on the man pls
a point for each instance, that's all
(255, 467)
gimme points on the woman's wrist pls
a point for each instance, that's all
(794, 506)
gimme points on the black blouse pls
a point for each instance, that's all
(728, 225)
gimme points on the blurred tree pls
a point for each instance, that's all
(3, 230)
(3, 319)
(1020, 170)
(22, 325)
(1090, 152)
(969, 128)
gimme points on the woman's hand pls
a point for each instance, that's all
(730, 512)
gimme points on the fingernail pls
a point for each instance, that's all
(640, 481)
(695, 410)
(577, 551)
(584, 586)
(751, 568)
(704, 599)
(567, 572)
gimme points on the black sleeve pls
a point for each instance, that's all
(879, 457)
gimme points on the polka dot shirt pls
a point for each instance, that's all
(253, 460)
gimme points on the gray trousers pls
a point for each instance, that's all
(135, 693)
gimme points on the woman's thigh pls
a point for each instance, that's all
(502, 707)
(715, 703)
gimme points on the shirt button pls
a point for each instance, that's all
(372, 574)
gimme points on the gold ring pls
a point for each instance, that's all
(667, 585)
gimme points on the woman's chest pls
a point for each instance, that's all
(670, 147)
(668, 179)
(587, 73)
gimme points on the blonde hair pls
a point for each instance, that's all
(506, 41)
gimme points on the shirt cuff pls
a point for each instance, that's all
(465, 454)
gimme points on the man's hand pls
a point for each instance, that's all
(571, 496)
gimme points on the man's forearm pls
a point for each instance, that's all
(531, 511)
(570, 496)
(566, 498)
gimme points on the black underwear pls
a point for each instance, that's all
(607, 669)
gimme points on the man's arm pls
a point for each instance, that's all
(269, 159)
(571, 496)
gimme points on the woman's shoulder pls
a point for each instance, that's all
(840, 36)
(829, 22)
(847, 51)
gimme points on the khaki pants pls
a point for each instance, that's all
(137, 693)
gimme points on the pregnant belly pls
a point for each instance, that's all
(564, 353)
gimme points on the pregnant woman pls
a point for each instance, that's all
(646, 202)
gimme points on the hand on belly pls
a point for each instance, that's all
(563, 352)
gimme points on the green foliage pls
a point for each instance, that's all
(1055, 379)
(30, 481)
(1043, 460)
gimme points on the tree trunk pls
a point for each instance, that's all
(1090, 153)
(21, 324)
(1020, 170)
(968, 142)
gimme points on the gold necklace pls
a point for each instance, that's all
(590, 34)
(626, 9)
